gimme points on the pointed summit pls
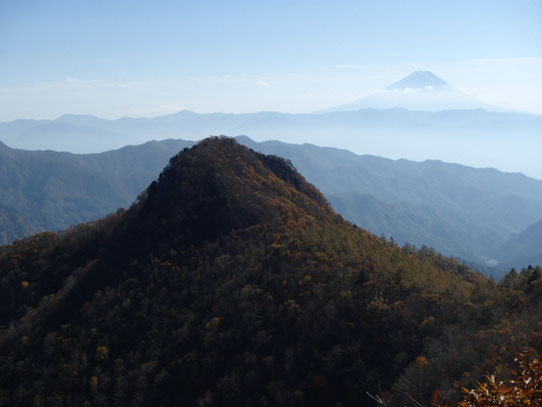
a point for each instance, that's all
(218, 186)
(421, 90)
(419, 80)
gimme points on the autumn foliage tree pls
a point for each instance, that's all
(524, 390)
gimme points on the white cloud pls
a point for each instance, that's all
(262, 83)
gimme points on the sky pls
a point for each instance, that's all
(146, 58)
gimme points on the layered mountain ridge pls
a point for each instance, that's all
(391, 131)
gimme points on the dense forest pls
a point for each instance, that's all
(232, 282)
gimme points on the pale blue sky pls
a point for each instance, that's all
(116, 58)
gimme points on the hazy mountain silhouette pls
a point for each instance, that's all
(421, 90)
(419, 80)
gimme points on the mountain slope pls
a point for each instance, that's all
(461, 211)
(15, 225)
(522, 249)
(231, 282)
(56, 190)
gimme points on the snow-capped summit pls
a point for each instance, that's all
(419, 80)
(421, 90)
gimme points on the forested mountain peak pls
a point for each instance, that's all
(218, 186)
(231, 282)
(243, 176)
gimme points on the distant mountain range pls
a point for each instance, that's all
(460, 211)
(480, 138)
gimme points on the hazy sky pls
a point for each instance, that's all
(135, 58)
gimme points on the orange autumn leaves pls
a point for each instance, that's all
(524, 390)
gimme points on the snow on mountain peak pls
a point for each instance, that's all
(419, 80)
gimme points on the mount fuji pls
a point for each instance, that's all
(421, 90)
